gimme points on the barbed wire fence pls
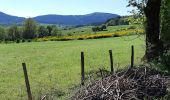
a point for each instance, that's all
(43, 93)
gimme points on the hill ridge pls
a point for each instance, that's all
(87, 19)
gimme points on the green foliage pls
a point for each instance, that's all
(95, 29)
(17, 41)
(99, 28)
(30, 29)
(139, 6)
(2, 34)
(118, 33)
(117, 21)
(103, 27)
(13, 33)
(165, 18)
(42, 31)
(23, 40)
(56, 32)
(49, 29)
(138, 15)
(166, 59)
(165, 33)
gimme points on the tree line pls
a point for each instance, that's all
(118, 21)
(29, 30)
(123, 20)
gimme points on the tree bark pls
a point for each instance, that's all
(153, 43)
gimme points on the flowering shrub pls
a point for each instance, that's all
(92, 36)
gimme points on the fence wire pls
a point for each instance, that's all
(49, 86)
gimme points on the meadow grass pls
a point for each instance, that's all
(88, 30)
(55, 65)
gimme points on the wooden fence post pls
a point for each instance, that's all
(111, 61)
(27, 82)
(132, 56)
(82, 68)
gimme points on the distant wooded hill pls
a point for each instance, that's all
(88, 19)
(121, 20)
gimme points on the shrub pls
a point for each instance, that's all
(2, 34)
(99, 28)
(89, 36)
(29, 40)
(64, 39)
(23, 40)
(116, 35)
(17, 41)
(13, 33)
(56, 32)
(166, 59)
(42, 31)
(80, 38)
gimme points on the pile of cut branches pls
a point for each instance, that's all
(131, 84)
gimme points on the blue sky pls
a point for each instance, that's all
(31, 8)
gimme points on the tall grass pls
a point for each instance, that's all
(54, 66)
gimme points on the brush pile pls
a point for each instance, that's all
(132, 84)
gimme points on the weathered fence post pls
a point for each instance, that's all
(132, 56)
(111, 61)
(27, 82)
(82, 68)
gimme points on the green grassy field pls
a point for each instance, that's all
(54, 66)
(88, 30)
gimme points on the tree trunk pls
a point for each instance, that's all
(153, 44)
